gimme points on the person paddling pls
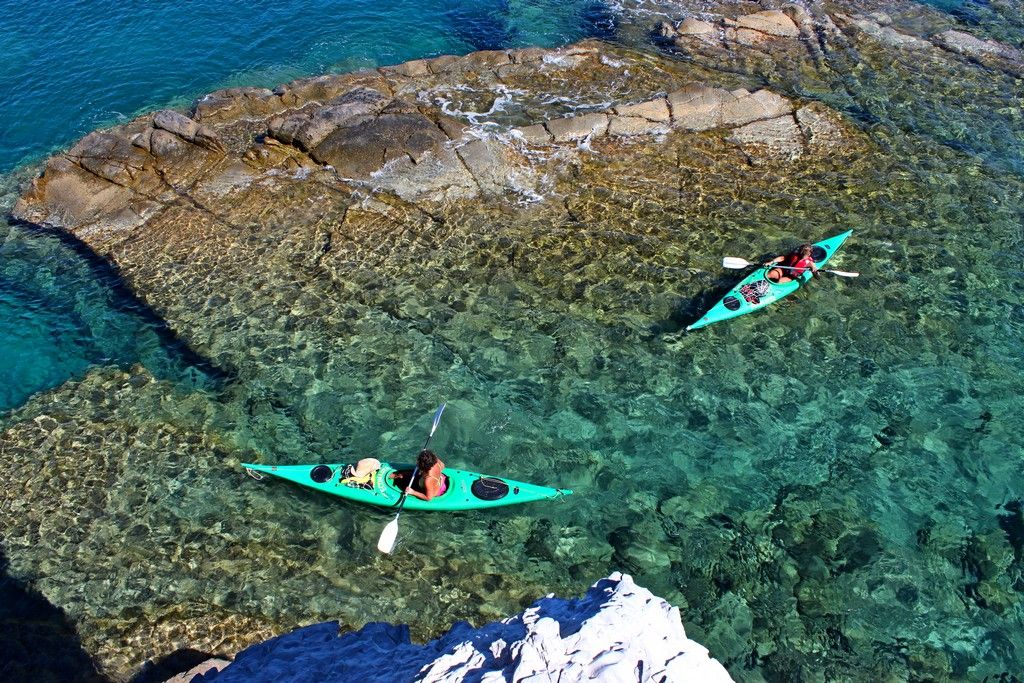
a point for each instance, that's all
(430, 482)
(793, 265)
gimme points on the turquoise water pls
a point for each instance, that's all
(828, 490)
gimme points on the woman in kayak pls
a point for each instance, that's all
(429, 483)
(795, 263)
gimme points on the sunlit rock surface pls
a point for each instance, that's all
(618, 631)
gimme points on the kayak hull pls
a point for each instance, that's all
(465, 491)
(750, 295)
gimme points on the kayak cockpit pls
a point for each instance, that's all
(398, 479)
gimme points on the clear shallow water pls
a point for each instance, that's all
(831, 487)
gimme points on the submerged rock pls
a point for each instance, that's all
(618, 631)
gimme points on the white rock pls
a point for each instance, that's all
(617, 632)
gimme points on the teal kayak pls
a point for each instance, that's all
(756, 291)
(465, 491)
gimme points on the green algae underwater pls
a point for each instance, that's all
(828, 490)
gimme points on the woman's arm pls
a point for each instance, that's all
(413, 492)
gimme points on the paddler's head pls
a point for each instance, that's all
(426, 459)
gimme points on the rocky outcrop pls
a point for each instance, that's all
(759, 28)
(375, 130)
(763, 123)
(617, 632)
(794, 31)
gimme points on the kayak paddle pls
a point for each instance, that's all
(386, 542)
(734, 262)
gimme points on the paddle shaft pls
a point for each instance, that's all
(819, 270)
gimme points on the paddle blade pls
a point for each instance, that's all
(843, 273)
(734, 262)
(437, 418)
(386, 543)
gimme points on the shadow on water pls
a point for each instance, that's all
(692, 309)
(174, 361)
(506, 24)
(484, 28)
(599, 21)
(38, 643)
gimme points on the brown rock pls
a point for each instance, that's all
(535, 134)
(819, 129)
(437, 176)
(233, 103)
(697, 107)
(696, 27)
(578, 127)
(67, 196)
(779, 137)
(188, 129)
(890, 36)
(109, 156)
(746, 36)
(307, 129)
(494, 167)
(417, 67)
(972, 46)
(360, 149)
(744, 107)
(653, 110)
(771, 22)
(322, 89)
(635, 125)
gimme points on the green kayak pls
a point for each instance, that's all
(465, 491)
(755, 291)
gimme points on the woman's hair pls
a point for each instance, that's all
(804, 250)
(425, 460)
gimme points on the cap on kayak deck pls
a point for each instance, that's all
(364, 467)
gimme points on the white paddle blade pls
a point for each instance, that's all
(734, 262)
(844, 273)
(386, 543)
